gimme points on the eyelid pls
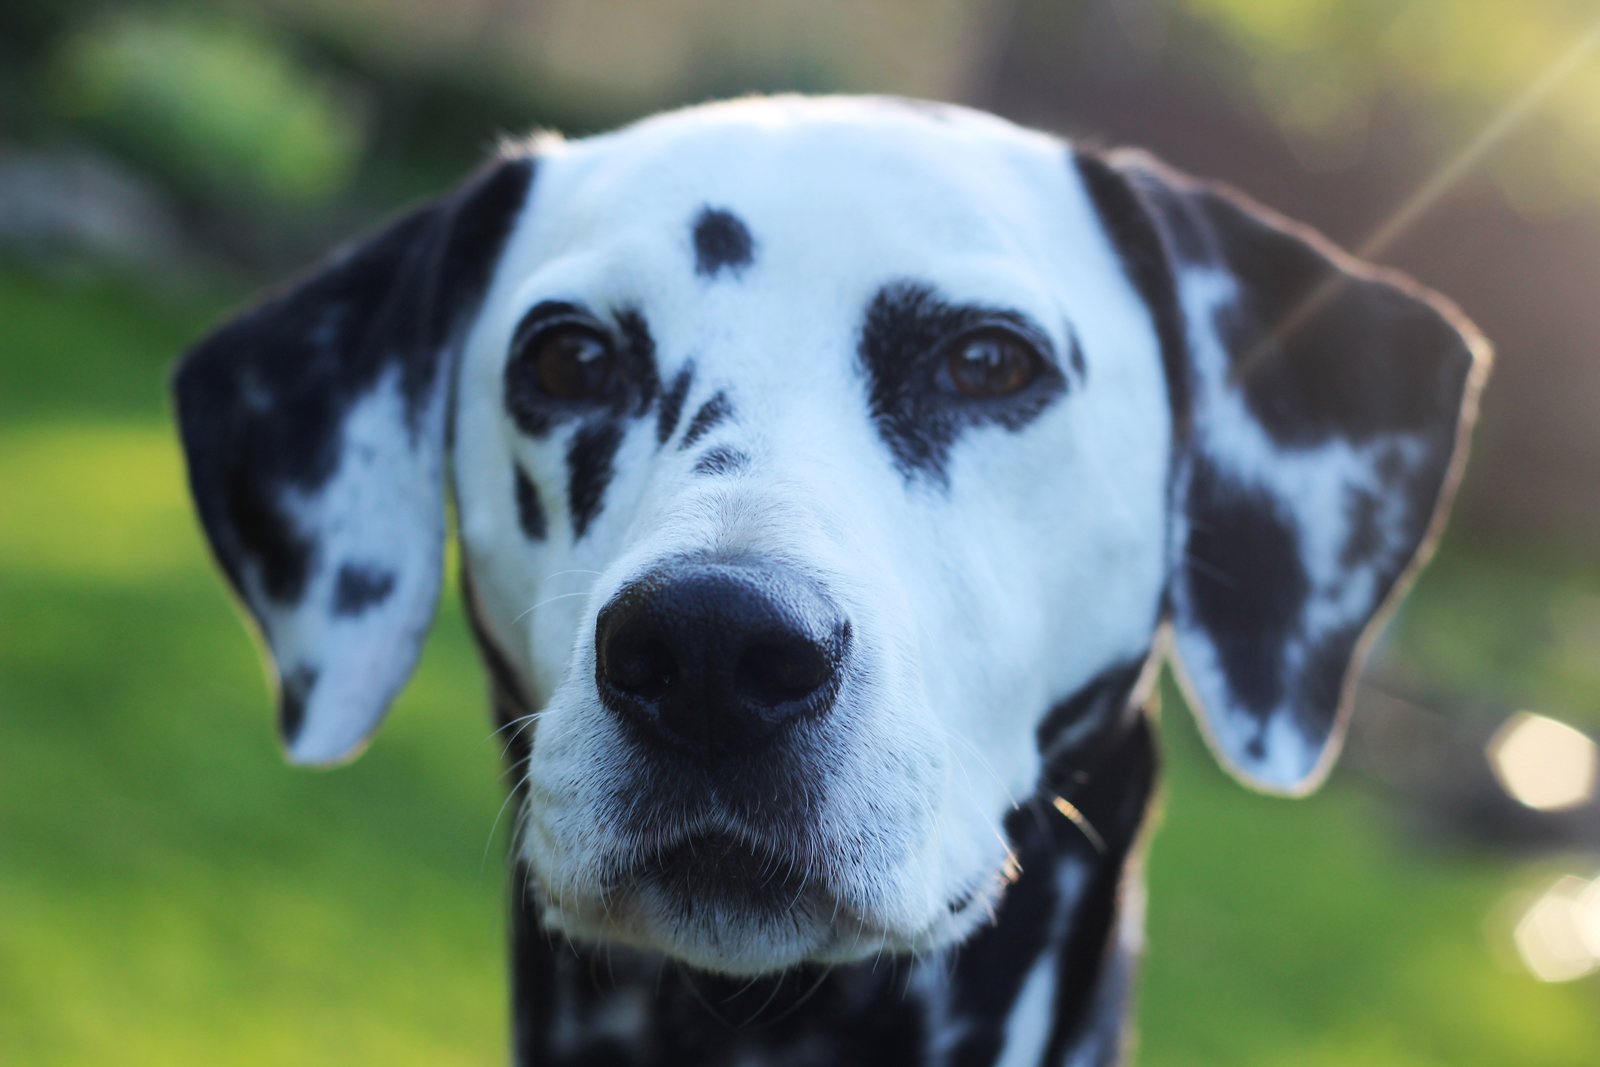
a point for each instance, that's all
(550, 314)
(1020, 329)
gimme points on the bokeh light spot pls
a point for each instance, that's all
(1545, 764)
(1559, 935)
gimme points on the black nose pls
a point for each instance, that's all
(715, 658)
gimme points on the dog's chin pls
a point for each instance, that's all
(722, 906)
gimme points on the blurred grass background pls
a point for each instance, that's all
(171, 893)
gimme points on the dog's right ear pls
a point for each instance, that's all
(1321, 409)
(314, 427)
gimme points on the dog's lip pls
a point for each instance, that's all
(720, 865)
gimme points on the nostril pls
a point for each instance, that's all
(640, 665)
(771, 673)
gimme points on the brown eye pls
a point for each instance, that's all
(574, 363)
(989, 365)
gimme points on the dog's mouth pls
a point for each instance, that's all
(714, 900)
(718, 872)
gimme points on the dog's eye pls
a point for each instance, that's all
(989, 364)
(573, 363)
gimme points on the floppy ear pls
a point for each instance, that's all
(1321, 410)
(314, 426)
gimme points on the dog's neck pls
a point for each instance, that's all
(1046, 983)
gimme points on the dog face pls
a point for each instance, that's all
(825, 473)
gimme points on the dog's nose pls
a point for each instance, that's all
(716, 659)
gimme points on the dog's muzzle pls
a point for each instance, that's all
(716, 660)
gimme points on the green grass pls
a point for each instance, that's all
(172, 893)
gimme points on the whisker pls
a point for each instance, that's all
(547, 600)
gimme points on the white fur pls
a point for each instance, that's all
(973, 607)
(384, 469)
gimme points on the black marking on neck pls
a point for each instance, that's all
(360, 586)
(721, 460)
(530, 511)
(906, 330)
(589, 471)
(672, 404)
(1063, 907)
(1074, 731)
(1093, 976)
(712, 413)
(721, 240)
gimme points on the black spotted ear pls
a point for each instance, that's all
(314, 426)
(1322, 409)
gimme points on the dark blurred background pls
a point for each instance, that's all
(170, 893)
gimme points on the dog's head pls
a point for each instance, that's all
(826, 471)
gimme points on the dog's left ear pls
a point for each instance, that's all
(1321, 410)
(314, 427)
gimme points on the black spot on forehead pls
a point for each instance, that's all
(721, 240)
(530, 511)
(711, 414)
(360, 586)
(589, 471)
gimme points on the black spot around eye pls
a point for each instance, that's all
(636, 384)
(720, 240)
(589, 471)
(639, 358)
(530, 512)
(359, 586)
(711, 414)
(906, 330)
(672, 404)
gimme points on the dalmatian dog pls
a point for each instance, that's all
(832, 476)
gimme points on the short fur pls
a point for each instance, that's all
(904, 826)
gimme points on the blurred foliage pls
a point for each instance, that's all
(218, 105)
(1511, 631)
(1319, 67)
(174, 894)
